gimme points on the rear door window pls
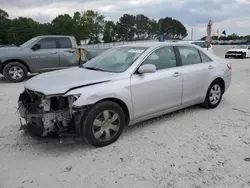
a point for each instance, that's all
(189, 55)
(47, 43)
(64, 43)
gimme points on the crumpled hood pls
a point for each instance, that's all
(59, 82)
(237, 50)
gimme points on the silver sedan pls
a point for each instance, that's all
(123, 86)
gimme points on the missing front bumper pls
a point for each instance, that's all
(50, 115)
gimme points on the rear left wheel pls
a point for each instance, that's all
(103, 124)
(214, 95)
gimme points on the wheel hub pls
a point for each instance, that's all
(16, 72)
(215, 94)
(106, 125)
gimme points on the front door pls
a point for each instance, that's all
(46, 58)
(155, 92)
(68, 56)
(248, 51)
(197, 69)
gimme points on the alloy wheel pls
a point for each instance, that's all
(16, 73)
(215, 94)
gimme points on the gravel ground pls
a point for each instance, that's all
(194, 147)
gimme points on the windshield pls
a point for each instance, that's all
(240, 47)
(116, 59)
(26, 44)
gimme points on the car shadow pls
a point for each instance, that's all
(52, 144)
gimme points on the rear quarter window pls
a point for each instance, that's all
(205, 58)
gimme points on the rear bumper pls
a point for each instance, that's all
(228, 81)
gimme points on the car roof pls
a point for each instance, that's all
(189, 41)
(55, 36)
(158, 44)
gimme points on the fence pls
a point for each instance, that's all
(112, 44)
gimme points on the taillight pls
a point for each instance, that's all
(229, 66)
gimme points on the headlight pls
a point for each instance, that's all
(75, 96)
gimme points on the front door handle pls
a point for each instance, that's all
(210, 67)
(53, 52)
(176, 74)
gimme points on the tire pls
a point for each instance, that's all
(210, 104)
(15, 72)
(243, 55)
(226, 56)
(96, 135)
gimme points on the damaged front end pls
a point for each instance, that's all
(46, 115)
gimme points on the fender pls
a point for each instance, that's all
(94, 93)
(2, 65)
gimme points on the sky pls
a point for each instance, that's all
(230, 15)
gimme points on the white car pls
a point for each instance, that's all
(241, 51)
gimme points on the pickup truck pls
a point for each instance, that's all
(41, 54)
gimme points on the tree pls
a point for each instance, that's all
(78, 28)
(63, 25)
(233, 36)
(94, 24)
(4, 25)
(3, 14)
(172, 28)
(109, 32)
(126, 28)
(153, 29)
(142, 24)
(22, 29)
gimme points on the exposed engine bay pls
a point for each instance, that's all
(47, 115)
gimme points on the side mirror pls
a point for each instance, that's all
(147, 68)
(36, 47)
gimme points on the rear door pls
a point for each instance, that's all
(197, 69)
(158, 91)
(68, 54)
(46, 58)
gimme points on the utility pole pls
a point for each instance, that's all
(192, 32)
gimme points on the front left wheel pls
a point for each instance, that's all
(15, 72)
(103, 124)
(243, 55)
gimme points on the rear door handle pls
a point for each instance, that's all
(176, 74)
(210, 67)
(53, 52)
(70, 51)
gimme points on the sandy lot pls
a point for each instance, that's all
(194, 147)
